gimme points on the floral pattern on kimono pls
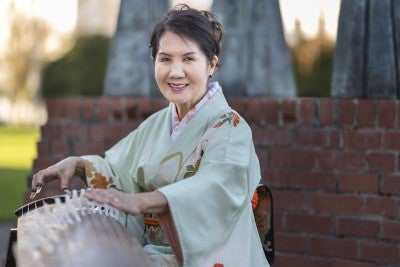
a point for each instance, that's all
(95, 175)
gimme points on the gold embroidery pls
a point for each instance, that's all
(192, 169)
(176, 154)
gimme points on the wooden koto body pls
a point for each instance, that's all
(74, 232)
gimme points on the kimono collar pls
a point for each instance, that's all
(178, 125)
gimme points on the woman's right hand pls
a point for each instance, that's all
(63, 170)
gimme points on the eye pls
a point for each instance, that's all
(188, 59)
(164, 59)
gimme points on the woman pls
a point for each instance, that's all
(186, 176)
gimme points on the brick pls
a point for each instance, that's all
(42, 162)
(359, 182)
(386, 113)
(115, 106)
(60, 147)
(326, 111)
(253, 111)
(74, 109)
(275, 137)
(275, 177)
(101, 110)
(156, 104)
(279, 221)
(290, 242)
(325, 246)
(292, 158)
(391, 140)
(76, 130)
(63, 109)
(362, 139)
(350, 263)
(379, 252)
(381, 161)
(306, 112)
(87, 148)
(306, 223)
(316, 180)
(339, 160)
(358, 227)
(299, 260)
(43, 147)
(346, 204)
(262, 155)
(366, 113)
(288, 112)
(292, 200)
(50, 129)
(52, 107)
(335, 139)
(347, 112)
(391, 184)
(312, 138)
(100, 132)
(391, 230)
(382, 205)
(88, 108)
(145, 107)
(270, 111)
(132, 108)
(398, 114)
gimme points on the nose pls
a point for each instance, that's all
(177, 70)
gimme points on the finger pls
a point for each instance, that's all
(36, 190)
(67, 191)
(64, 181)
(102, 196)
(38, 178)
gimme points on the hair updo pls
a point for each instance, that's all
(199, 26)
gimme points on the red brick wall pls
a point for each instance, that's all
(333, 167)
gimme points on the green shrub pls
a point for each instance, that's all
(80, 72)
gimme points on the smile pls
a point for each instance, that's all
(177, 87)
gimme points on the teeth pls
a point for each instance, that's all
(177, 85)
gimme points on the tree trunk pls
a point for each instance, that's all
(367, 56)
(256, 60)
(130, 68)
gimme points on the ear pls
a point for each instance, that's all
(213, 65)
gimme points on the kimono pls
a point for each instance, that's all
(208, 175)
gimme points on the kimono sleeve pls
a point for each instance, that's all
(206, 206)
(112, 170)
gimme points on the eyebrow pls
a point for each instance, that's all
(186, 54)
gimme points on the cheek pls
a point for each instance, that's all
(158, 72)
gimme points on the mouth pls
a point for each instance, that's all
(177, 87)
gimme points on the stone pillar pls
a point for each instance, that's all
(367, 56)
(256, 60)
(130, 68)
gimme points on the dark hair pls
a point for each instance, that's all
(199, 26)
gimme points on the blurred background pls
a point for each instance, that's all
(60, 48)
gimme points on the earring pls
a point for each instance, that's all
(210, 76)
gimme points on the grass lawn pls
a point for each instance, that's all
(17, 150)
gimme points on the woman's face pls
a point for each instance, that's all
(182, 71)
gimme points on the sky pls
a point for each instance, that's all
(62, 13)
(307, 11)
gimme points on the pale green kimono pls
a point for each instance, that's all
(208, 175)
